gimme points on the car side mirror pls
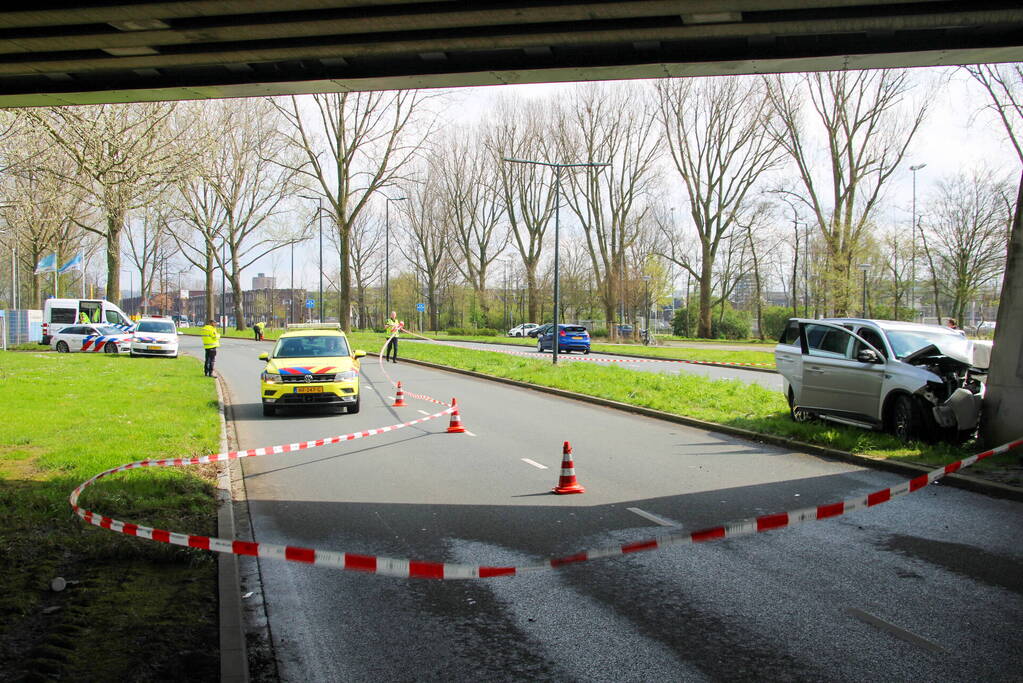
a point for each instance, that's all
(264, 356)
(868, 356)
(359, 353)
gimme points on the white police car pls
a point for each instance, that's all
(155, 336)
(90, 339)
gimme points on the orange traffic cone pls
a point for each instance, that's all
(567, 482)
(455, 427)
(399, 401)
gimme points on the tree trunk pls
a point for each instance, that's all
(1002, 418)
(704, 326)
(531, 289)
(115, 224)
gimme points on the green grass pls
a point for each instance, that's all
(715, 355)
(736, 404)
(66, 418)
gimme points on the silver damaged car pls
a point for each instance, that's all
(916, 381)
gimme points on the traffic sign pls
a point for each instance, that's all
(420, 307)
(310, 303)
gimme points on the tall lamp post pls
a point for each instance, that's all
(387, 252)
(557, 227)
(646, 301)
(865, 267)
(912, 252)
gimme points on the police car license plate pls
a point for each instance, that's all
(308, 390)
(153, 348)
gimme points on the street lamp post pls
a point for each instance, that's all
(223, 287)
(646, 300)
(557, 228)
(865, 267)
(912, 251)
(319, 220)
(387, 251)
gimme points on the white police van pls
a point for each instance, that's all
(60, 313)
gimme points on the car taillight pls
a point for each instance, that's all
(561, 332)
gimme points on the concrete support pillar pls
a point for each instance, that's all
(1003, 404)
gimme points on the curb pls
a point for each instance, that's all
(962, 481)
(234, 664)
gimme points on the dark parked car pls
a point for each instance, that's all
(570, 338)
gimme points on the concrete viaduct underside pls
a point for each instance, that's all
(95, 52)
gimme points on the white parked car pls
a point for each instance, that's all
(155, 337)
(916, 381)
(522, 330)
(91, 339)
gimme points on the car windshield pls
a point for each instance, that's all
(109, 329)
(156, 326)
(905, 341)
(311, 347)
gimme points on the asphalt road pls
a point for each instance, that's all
(764, 379)
(926, 587)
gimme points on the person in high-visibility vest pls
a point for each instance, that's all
(258, 330)
(392, 326)
(210, 342)
(83, 318)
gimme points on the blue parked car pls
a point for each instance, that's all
(570, 338)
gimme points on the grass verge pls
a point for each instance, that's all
(715, 355)
(133, 609)
(732, 403)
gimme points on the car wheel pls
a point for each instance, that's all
(355, 407)
(798, 414)
(905, 419)
(62, 347)
(586, 352)
(269, 410)
(110, 347)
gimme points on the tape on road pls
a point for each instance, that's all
(406, 568)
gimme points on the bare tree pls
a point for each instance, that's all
(149, 246)
(471, 199)
(370, 139)
(366, 246)
(716, 132)
(867, 125)
(966, 233)
(123, 154)
(238, 193)
(527, 190)
(42, 211)
(427, 237)
(605, 125)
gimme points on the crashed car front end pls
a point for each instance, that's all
(954, 390)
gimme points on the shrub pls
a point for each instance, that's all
(733, 325)
(774, 319)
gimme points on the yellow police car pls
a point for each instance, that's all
(311, 364)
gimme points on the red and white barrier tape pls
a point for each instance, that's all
(406, 568)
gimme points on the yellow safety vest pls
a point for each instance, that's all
(210, 337)
(391, 325)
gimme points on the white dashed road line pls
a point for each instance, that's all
(423, 412)
(900, 633)
(652, 517)
(534, 463)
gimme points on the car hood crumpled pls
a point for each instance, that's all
(974, 353)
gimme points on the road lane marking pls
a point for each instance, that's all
(424, 412)
(652, 517)
(534, 463)
(469, 433)
(900, 633)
